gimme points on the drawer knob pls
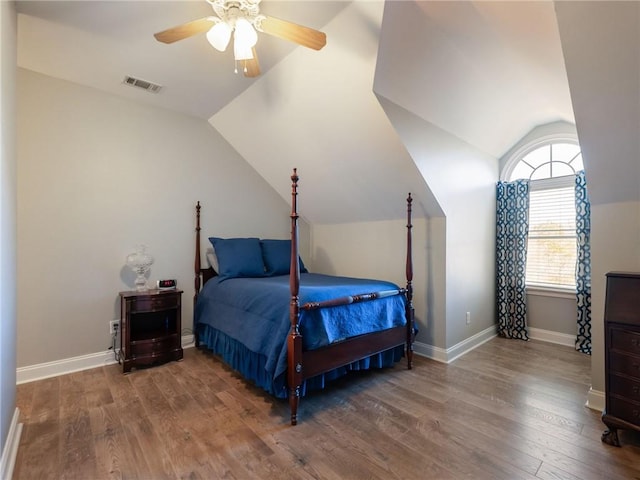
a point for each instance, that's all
(635, 389)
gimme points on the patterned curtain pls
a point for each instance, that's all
(512, 229)
(583, 264)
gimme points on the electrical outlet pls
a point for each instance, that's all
(468, 318)
(114, 325)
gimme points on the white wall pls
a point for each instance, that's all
(460, 177)
(601, 47)
(552, 313)
(376, 250)
(98, 174)
(7, 220)
(615, 246)
(462, 180)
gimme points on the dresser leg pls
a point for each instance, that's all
(610, 437)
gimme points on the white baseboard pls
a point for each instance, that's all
(10, 450)
(75, 364)
(451, 353)
(595, 400)
(41, 371)
(552, 337)
(429, 351)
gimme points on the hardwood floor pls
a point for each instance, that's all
(507, 410)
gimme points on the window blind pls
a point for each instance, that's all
(551, 254)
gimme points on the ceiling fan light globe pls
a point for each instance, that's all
(245, 33)
(241, 52)
(219, 36)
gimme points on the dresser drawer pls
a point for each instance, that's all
(625, 387)
(624, 410)
(624, 364)
(154, 303)
(622, 304)
(624, 340)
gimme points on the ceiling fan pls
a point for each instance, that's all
(242, 18)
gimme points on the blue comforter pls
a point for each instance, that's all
(246, 320)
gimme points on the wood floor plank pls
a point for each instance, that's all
(39, 455)
(506, 410)
(436, 416)
(358, 426)
(46, 399)
(183, 451)
(24, 398)
(116, 454)
(148, 451)
(96, 389)
(79, 463)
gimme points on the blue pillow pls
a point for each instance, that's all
(238, 257)
(276, 255)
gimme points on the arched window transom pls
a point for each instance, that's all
(552, 160)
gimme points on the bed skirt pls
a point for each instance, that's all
(251, 365)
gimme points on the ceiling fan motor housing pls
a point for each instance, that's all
(230, 10)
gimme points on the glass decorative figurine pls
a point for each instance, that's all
(140, 262)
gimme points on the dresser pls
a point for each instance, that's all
(622, 355)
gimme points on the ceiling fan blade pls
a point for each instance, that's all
(185, 30)
(305, 36)
(252, 67)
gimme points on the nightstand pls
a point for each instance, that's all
(150, 327)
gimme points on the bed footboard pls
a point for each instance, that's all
(303, 365)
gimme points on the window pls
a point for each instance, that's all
(551, 249)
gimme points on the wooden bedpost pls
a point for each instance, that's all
(294, 341)
(196, 266)
(409, 308)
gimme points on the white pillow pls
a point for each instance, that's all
(212, 260)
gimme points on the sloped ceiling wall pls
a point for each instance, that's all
(97, 42)
(601, 45)
(486, 72)
(316, 111)
(477, 66)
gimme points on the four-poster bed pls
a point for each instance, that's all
(288, 334)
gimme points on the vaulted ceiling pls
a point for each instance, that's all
(480, 74)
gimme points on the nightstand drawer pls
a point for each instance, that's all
(153, 303)
(154, 345)
(624, 364)
(625, 340)
(625, 387)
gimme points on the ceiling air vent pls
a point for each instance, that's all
(143, 84)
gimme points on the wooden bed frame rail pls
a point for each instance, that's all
(302, 365)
